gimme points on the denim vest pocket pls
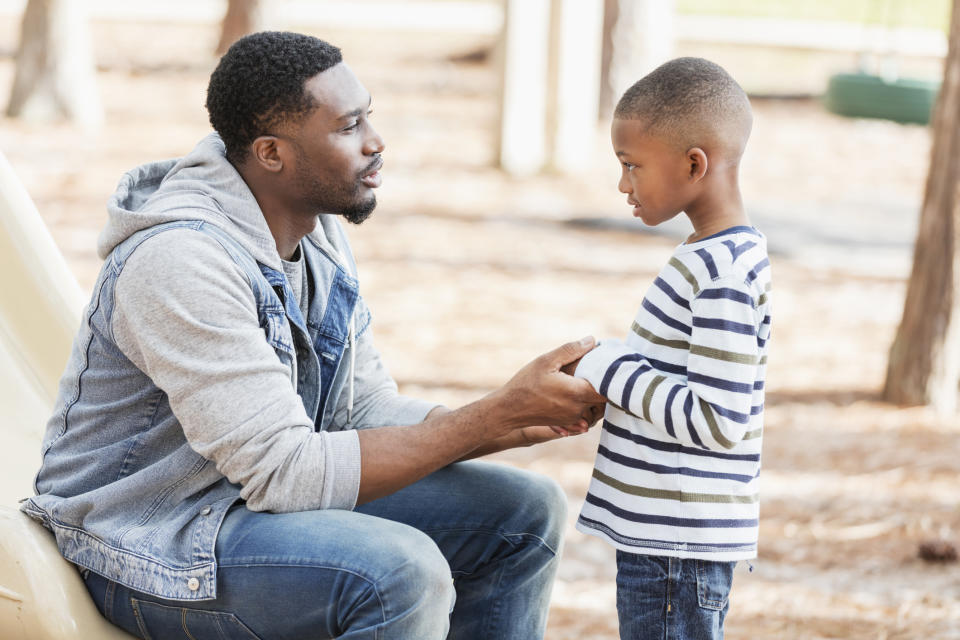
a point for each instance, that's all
(273, 319)
(162, 622)
(714, 580)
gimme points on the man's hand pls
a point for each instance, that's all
(541, 394)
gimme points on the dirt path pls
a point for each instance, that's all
(470, 274)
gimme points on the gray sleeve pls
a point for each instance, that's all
(185, 315)
(377, 402)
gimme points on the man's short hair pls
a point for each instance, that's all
(259, 83)
(689, 101)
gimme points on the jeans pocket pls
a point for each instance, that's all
(162, 622)
(714, 580)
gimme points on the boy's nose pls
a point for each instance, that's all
(624, 185)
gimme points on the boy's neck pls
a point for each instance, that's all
(718, 208)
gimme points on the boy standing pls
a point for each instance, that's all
(674, 487)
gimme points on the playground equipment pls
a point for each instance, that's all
(42, 596)
(881, 93)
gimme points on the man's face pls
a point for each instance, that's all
(338, 161)
(654, 175)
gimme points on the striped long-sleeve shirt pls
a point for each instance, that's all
(677, 469)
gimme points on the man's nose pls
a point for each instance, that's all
(374, 143)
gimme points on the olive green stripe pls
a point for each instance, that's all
(753, 435)
(679, 266)
(655, 339)
(762, 300)
(714, 429)
(763, 360)
(678, 496)
(648, 396)
(719, 354)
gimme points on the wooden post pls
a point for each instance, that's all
(924, 366)
(56, 75)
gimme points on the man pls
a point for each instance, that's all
(228, 456)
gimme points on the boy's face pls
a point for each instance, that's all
(654, 175)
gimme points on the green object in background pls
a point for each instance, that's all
(861, 95)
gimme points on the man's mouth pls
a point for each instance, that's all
(371, 177)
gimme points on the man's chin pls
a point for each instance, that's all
(360, 211)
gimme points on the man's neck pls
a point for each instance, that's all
(288, 230)
(287, 225)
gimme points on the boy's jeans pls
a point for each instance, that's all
(671, 598)
(381, 571)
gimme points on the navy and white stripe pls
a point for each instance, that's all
(678, 465)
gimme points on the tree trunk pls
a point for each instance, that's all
(242, 17)
(55, 76)
(637, 38)
(924, 365)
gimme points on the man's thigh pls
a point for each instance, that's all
(315, 574)
(470, 509)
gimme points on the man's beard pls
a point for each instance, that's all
(339, 199)
(359, 210)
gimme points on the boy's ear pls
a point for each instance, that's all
(697, 163)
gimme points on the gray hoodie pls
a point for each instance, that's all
(197, 333)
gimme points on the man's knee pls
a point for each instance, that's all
(547, 509)
(415, 575)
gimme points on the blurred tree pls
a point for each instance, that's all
(924, 365)
(242, 17)
(637, 37)
(55, 76)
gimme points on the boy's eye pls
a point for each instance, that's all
(628, 166)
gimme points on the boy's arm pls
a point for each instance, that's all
(711, 406)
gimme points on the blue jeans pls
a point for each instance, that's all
(660, 598)
(476, 539)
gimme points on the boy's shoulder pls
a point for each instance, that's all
(737, 255)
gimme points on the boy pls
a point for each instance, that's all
(674, 487)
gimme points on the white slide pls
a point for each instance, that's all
(41, 595)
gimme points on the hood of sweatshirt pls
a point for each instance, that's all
(202, 185)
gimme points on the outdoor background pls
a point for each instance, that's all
(470, 273)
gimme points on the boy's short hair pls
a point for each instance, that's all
(691, 102)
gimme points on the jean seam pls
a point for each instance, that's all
(506, 536)
(108, 601)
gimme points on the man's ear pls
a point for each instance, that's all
(697, 163)
(265, 151)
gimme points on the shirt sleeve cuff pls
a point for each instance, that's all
(341, 483)
(594, 365)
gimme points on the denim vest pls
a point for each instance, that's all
(154, 526)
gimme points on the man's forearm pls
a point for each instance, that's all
(394, 457)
